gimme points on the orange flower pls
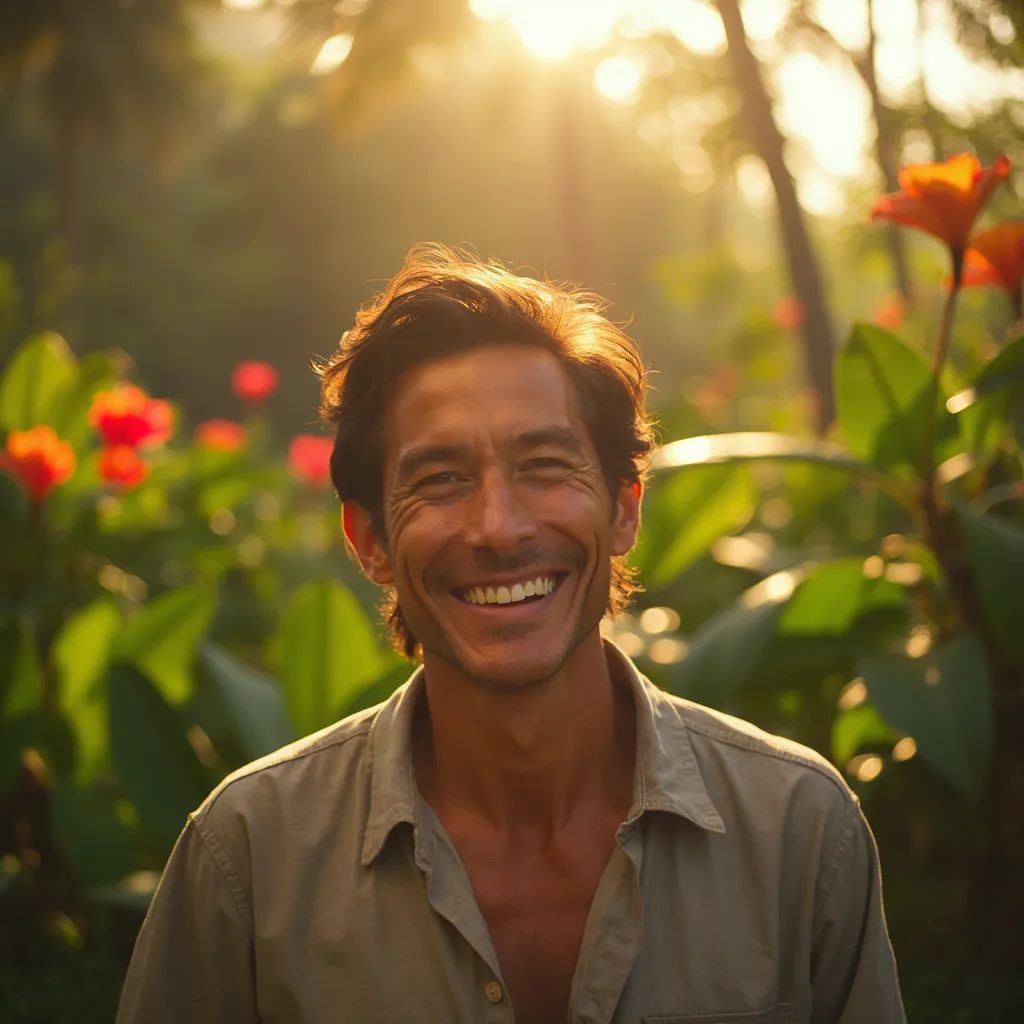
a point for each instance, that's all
(222, 435)
(121, 464)
(126, 415)
(889, 313)
(254, 382)
(310, 458)
(38, 458)
(944, 198)
(788, 313)
(995, 259)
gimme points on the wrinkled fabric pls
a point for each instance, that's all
(317, 885)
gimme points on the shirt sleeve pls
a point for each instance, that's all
(193, 960)
(853, 970)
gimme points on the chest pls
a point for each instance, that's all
(536, 908)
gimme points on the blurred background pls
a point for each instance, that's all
(187, 185)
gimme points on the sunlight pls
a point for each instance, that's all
(332, 54)
(822, 104)
(554, 29)
(695, 23)
(618, 79)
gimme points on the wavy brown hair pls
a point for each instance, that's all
(444, 302)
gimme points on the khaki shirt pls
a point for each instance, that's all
(317, 885)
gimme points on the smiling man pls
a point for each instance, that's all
(528, 830)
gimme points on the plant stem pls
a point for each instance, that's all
(948, 309)
(938, 362)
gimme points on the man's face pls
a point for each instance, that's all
(500, 525)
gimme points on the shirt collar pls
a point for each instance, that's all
(667, 776)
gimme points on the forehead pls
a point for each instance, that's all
(499, 389)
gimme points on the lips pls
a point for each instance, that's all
(516, 592)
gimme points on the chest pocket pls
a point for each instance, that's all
(781, 1013)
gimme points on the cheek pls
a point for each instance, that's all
(577, 511)
(418, 535)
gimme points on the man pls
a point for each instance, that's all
(528, 830)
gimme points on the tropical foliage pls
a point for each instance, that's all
(834, 533)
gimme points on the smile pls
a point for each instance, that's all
(524, 590)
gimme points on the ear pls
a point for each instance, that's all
(368, 549)
(626, 524)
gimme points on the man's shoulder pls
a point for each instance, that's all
(332, 757)
(725, 745)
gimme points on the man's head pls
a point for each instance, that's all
(450, 329)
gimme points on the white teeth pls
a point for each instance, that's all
(540, 587)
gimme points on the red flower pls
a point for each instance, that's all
(38, 458)
(126, 415)
(121, 464)
(254, 382)
(890, 312)
(995, 259)
(788, 313)
(222, 435)
(310, 458)
(944, 198)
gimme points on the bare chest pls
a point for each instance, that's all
(536, 911)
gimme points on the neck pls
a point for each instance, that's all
(531, 759)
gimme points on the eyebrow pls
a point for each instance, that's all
(415, 459)
(557, 437)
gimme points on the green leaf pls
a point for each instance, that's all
(253, 703)
(380, 689)
(326, 651)
(20, 672)
(156, 764)
(81, 653)
(995, 548)
(996, 397)
(96, 372)
(765, 446)
(943, 700)
(859, 727)
(90, 834)
(36, 379)
(834, 595)
(13, 512)
(883, 388)
(163, 638)
(46, 733)
(725, 650)
(685, 515)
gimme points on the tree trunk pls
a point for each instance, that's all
(817, 331)
(887, 156)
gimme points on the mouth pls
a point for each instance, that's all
(516, 592)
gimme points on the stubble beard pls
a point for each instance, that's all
(512, 675)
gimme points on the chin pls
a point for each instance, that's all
(516, 663)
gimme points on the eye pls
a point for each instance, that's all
(547, 465)
(439, 483)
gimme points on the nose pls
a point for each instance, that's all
(497, 517)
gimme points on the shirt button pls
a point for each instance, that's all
(493, 992)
